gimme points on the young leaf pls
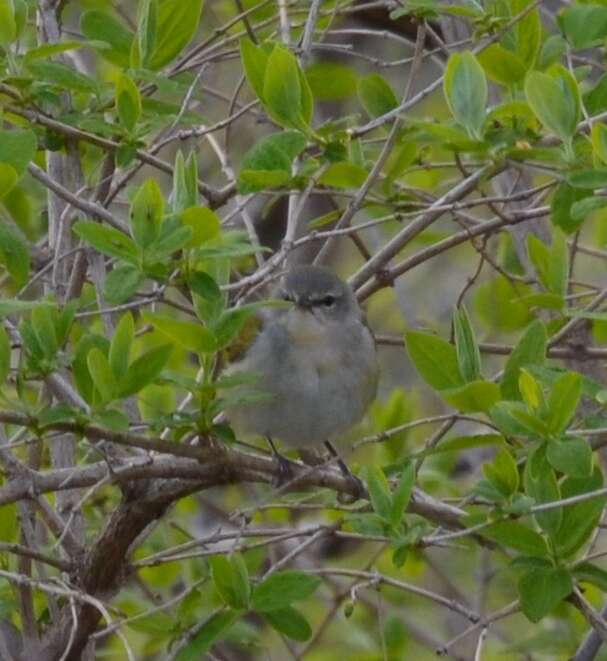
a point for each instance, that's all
(43, 325)
(144, 370)
(434, 359)
(465, 88)
(558, 270)
(128, 102)
(542, 589)
(530, 350)
(18, 148)
(282, 588)
(468, 353)
(146, 213)
(503, 473)
(102, 375)
(120, 347)
(203, 222)
(379, 492)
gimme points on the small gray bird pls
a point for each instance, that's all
(315, 360)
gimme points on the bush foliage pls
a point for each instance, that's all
(161, 162)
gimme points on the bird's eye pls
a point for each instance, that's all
(328, 301)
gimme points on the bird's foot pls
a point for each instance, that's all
(357, 488)
(285, 471)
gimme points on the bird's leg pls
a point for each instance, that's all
(358, 487)
(285, 469)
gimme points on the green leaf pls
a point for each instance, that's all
(530, 350)
(563, 401)
(503, 473)
(254, 62)
(402, 494)
(185, 183)
(107, 240)
(268, 163)
(515, 535)
(11, 306)
(525, 36)
(63, 76)
(147, 30)
(585, 207)
(468, 353)
(541, 485)
(282, 588)
(434, 359)
(555, 100)
(144, 370)
(376, 96)
(379, 492)
(562, 205)
(121, 283)
(172, 238)
(473, 396)
(231, 579)
(128, 102)
(513, 419)
(177, 24)
(5, 354)
(120, 347)
(206, 637)
(8, 178)
(343, 175)
(552, 50)
(331, 81)
(18, 148)
(8, 27)
(590, 573)
(465, 88)
(204, 223)
(588, 179)
(579, 520)
(542, 589)
(539, 254)
(190, 336)
(558, 269)
(146, 213)
(43, 325)
(289, 622)
(282, 92)
(585, 25)
(571, 455)
(102, 375)
(458, 443)
(502, 65)
(100, 26)
(14, 254)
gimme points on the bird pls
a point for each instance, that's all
(315, 363)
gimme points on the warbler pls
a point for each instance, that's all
(315, 362)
